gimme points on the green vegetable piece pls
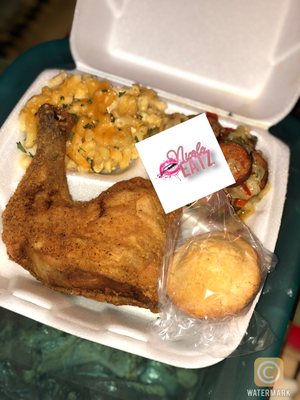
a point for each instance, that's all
(21, 147)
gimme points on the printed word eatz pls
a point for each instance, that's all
(193, 162)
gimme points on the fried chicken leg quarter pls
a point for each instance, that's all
(108, 249)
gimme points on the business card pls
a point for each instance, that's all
(185, 163)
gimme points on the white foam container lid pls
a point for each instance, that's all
(207, 55)
(236, 57)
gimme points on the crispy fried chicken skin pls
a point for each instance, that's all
(108, 249)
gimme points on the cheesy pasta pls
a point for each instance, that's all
(108, 120)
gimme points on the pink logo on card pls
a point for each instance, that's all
(186, 164)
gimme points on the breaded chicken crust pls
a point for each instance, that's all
(108, 249)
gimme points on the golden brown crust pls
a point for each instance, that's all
(214, 275)
(108, 249)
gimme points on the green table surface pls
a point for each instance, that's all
(39, 362)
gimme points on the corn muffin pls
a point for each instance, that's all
(214, 275)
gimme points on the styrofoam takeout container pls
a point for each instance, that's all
(238, 61)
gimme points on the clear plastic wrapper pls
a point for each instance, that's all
(213, 272)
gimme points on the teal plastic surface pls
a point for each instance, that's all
(38, 362)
